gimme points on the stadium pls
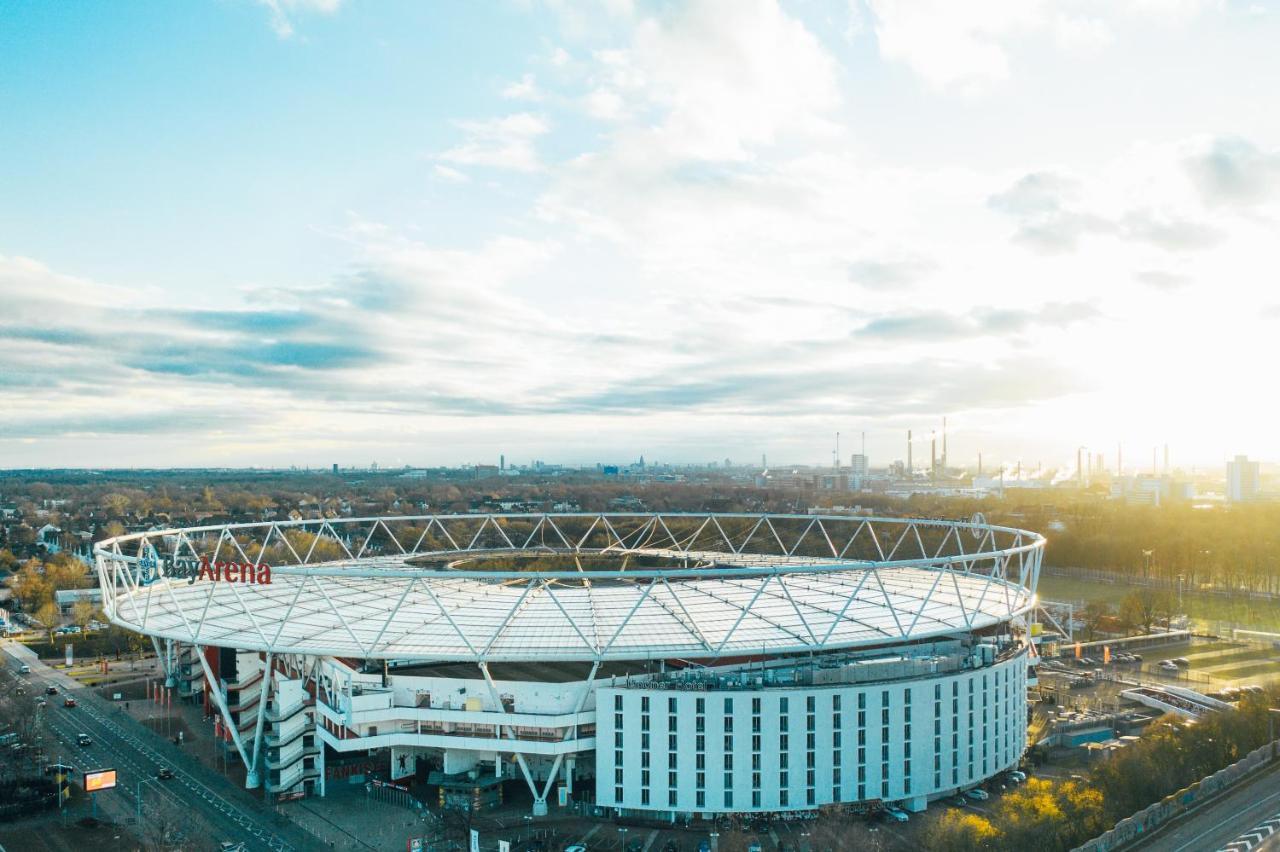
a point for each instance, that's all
(669, 665)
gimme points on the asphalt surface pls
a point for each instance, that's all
(137, 755)
(1218, 824)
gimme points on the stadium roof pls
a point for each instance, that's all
(733, 599)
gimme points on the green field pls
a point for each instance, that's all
(1207, 611)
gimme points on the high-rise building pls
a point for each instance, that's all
(858, 464)
(1242, 479)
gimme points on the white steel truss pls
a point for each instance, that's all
(635, 586)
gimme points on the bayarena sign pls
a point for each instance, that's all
(151, 568)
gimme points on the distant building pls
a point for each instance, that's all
(1242, 479)
(1152, 490)
(50, 537)
(67, 598)
(858, 465)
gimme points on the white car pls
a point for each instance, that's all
(977, 794)
(24, 669)
(1018, 776)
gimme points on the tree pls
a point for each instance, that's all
(82, 612)
(47, 615)
(31, 586)
(1141, 608)
(957, 831)
(1094, 613)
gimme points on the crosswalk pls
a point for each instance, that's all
(1254, 837)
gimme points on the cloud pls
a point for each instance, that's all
(1161, 280)
(283, 12)
(524, 89)
(715, 81)
(1052, 218)
(1230, 170)
(451, 175)
(968, 47)
(500, 143)
(939, 326)
(889, 274)
(1169, 232)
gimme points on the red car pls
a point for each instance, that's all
(69, 702)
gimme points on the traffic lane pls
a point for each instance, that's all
(105, 754)
(141, 762)
(1217, 824)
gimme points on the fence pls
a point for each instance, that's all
(1133, 828)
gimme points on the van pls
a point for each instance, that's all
(24, 669)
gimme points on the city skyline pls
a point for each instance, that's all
(280, 233)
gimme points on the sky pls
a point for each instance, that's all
(304, 232)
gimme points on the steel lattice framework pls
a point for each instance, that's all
(741, 584)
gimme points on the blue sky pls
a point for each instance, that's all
(305, 231)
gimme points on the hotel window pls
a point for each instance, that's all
(728, 797)
(617, 702)
(671, 705)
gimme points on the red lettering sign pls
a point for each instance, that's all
(244, 572)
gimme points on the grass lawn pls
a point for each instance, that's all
(1206, 610)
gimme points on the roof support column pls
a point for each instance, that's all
(539, 802)
(215, 686)
(254, 778)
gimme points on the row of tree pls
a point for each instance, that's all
(1053, 815)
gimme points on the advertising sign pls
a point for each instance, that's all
(415, 844)
(504, 846)
(475, 841)
(99, 779)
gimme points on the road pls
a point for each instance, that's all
(1219, 824)
(134, 753)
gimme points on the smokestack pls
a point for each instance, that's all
(944, 443)
(1166, 459)
(1080, 466)
(979, 464)
(909, 468)
(933, 455)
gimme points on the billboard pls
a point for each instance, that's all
(99, 779)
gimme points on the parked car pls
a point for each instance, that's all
(1182, 662)
(1018, 775)
(896, 814)
(83, 740)
(24, 669)
(1168, 666)
(977, 794)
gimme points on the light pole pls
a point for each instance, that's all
(1271, 729)
(138, 791)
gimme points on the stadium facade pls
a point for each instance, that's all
(671, 664)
